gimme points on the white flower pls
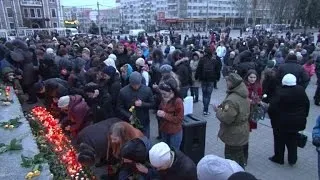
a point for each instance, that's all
(265, 96)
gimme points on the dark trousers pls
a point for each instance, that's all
(207, 88)
(184, 91)
(246, 152)
(317, 94)
(235, 153)
(288, 139)
(195, 93)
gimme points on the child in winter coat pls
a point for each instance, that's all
(310, 68)
(195, 84)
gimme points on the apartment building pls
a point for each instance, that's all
(29, 13)
(110, 18)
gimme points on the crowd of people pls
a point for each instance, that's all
(102, 91)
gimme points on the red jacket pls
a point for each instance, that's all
(172, 122)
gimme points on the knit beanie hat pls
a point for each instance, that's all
(135, 78)
(166, 68)
(235, 79)
(214, 167)
(134, 150)
(49, 51)
(63, 101)
(242, 176)
(110, 71)
(160, 155)
(140, 62)
(289, 80)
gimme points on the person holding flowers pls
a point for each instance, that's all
(140, 97)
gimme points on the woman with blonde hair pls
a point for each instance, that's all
(120, 133)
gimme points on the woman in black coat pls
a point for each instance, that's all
(288, 111)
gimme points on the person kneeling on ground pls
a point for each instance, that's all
(171, 163)
(92, 142)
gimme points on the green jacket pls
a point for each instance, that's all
(233, 115)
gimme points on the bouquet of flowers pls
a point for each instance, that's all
(134, 120)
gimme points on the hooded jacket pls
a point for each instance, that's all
(233, 114)
(78, 114)
(183, 70)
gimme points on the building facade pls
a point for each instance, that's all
(79, 14)
(110, 18)
(29, 14)
(193, 13)
(138, 13)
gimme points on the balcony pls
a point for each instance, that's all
(31, 3)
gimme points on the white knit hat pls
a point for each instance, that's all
(159, 155)
(289, 80)
(49, 51)
(217, 168)
(143, 45)
(63, 101)
(140, 62)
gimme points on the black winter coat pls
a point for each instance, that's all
(209, 77)
(101, 107)
(296, 69)
(127, 98)
(114, 86)
(96, 136)
(289, 109)
(183, 168)
(183, 70)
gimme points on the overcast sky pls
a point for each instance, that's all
(89, 3)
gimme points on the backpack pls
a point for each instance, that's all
(208, 69)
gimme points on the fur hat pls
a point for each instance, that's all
(165, 69)
(235, 79)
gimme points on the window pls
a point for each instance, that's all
(32, 13)
(9, 12)
(39, 13)
(53, 13)
(55, 25)
(11, 25)
(25, 12)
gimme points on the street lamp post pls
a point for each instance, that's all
(207, 17)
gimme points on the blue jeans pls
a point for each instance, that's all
(173, 140)
(207, 88)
